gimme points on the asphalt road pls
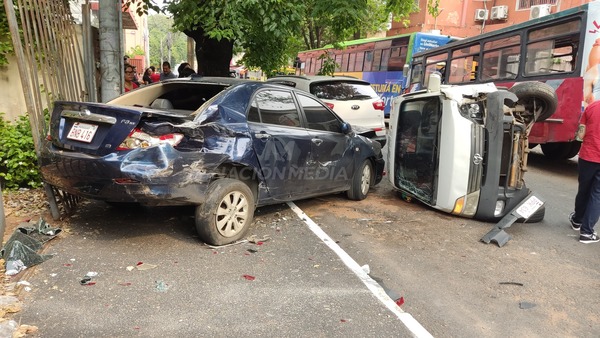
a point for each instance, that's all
(542, 283)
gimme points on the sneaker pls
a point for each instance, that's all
(574, 225)
(593, 238)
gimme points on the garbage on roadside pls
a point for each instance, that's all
(20, 251)
(161, 286)
(87, 279)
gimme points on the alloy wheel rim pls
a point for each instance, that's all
(232, 214)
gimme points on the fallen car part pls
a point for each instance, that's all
(524, 210)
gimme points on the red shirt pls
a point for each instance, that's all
(134, 87)
(590, 148)
(155, 77)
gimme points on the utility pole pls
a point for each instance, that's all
(111, 49)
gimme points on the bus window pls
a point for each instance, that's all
(501, 58)
(416, 77)
(376, 61)
(397, 58)
(435, 63)
(463, 67)
(385, 57)
(338, 62)
(552, 49)
(368, 61)
(351, 62)
(358, 64)
(344, 65)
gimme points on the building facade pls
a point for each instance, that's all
(466, 18)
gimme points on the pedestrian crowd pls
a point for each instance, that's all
(150, 75)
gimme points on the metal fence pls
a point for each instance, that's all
(50, 62)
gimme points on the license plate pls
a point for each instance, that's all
(83, 132)
(531, 205)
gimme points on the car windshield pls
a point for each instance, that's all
(343, 90)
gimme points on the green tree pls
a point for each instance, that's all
(268, 30)
(159, 27)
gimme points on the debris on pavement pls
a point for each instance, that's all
(258, 241)
(511, 283)
(399, 300)
(526, 305)
(87, 281)
(226, 245)
(145, 266)
(249, 277)
(161, 286)
(20, 251)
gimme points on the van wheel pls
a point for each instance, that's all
(226, 214)
(361, 182)
(538, 98)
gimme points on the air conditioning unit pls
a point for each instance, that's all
(538, 11)
(481, 14)
(499, 12)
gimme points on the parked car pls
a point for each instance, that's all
(354, 100)
(463, 149)
(225, 145)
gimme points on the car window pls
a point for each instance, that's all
(343, 90)
(318, 116)
(274, 107)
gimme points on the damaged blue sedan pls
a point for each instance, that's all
(224, 145)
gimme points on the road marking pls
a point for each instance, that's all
(407, 319)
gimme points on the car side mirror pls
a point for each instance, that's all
(346, 128)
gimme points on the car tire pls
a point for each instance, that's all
(561, 150)
(361, 181)
(536, 94)
(226, 214)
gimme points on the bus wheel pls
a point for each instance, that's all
(561, 150)
(537, 97)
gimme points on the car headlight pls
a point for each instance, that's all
(499, 208)
(472, 111)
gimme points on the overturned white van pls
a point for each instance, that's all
(463, 149)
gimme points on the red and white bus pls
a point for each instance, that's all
(560, 49)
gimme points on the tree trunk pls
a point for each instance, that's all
(213, 57)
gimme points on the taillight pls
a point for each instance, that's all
(139, 139)
(379, 105)
(330, 105)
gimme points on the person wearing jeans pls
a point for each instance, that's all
(587, 201)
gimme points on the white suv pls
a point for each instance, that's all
(354, 100)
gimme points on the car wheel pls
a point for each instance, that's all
(561, 150)
(361, 182)
(538, 98)
(226, 214)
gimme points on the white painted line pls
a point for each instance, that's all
(411, 323)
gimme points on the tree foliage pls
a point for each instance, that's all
(271, 32)
(159, 28)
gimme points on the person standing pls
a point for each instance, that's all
(147, 78)
(129, 72)
(167, 73)
(587, 200)
(155, 76)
